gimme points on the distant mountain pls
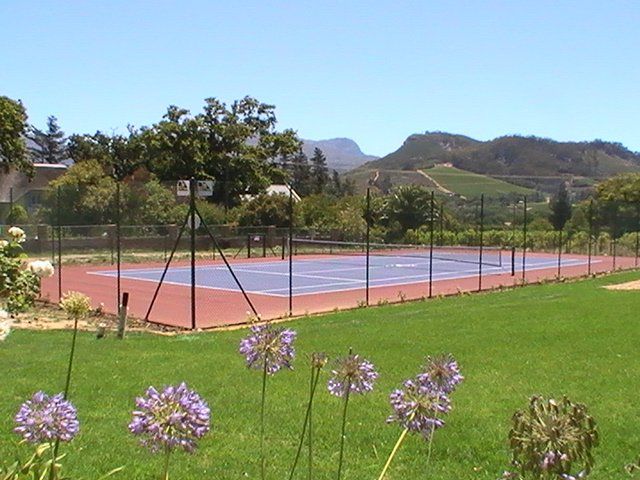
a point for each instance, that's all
(528, 161)
(342, 154)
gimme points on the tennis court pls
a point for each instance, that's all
(312, 276)
(342, 271)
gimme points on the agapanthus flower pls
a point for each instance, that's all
(419, 407)
(17, 234)
(442, 371)
(352, 374)
(173, 418)
(77, 305)
(41, 268)
(268, 346)
(46, 419)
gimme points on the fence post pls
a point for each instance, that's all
(59, 221)
(122, 315)
(431, 220)
(481, 242)
(637, 233)
(590, 242)
(118, 244)
(192, 218)
(524, 241)
(290, 251)
(441, 242)
(614, 232)
(368, 240)
(10, 214)
(559, 252)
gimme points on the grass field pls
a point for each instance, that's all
(575, 339)
(470, 184)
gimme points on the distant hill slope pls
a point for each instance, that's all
(342, 154)
(528, 161)
(471, 185)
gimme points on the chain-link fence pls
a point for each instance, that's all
(217, 274)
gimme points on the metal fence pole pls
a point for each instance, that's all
(590, 242)
(614, 233)
(559, 252)
(118, 245)
(431, 221)
(368, 240)
(481, 242)
(290, 251)
(192, 218)
(441, 239)
(524, 241)
(59, 221)
(637, 233)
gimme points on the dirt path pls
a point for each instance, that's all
(435, 183)
(634, 285)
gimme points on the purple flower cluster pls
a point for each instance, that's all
(418, 407)
(268, 346)
(46, 419)
(352, 374)
(173, 418)
(443, 372)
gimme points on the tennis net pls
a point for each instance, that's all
(343, 251)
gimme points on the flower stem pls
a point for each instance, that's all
(262, 404)
(165, 475)
(430, 445)
(311, 424)
(393, 453)
(67, 386)
(343, 431)
(315, 375)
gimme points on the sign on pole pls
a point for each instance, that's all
(205, 188)
(198, 221)
(182, 188)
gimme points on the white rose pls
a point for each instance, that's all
(5, 324)
(3, 243)
(17, 234)
(41, 268)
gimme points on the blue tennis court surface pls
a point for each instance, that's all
(331, 274)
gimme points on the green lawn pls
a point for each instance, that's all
(575, 339)
(471, 184)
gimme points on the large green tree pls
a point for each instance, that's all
(409, 206)
(235, 145)
(13, 129)
(119, 155)
(50, 145)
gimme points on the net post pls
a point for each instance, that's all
(192, 217)
(248, 245)
(432, 211)
(59, 228)
(524, 241)
(290, 251)
(368, 240)
(481, 242)
(264, 245)
(284, 246)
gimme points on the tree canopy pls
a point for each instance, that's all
(13, 129)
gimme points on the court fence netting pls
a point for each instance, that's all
(222, 274)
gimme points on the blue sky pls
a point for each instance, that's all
(374, 71)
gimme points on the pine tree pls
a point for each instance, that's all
(51, 146)
(560, 208)
(319, 171)
(301, 174)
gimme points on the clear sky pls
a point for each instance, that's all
(374, 71)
